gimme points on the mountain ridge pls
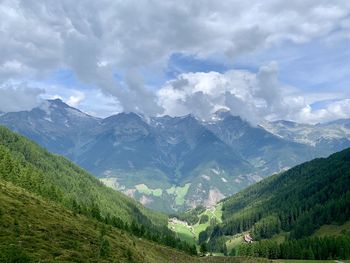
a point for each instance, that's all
(173, 163)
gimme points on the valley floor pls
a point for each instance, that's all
(190, 233)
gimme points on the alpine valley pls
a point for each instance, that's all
(175, 163)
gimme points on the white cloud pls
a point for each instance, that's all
(18, 97)
(76, 99)
(253, 96)
(339, 109)
(91, 101)
(95, 39)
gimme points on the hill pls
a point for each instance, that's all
(286, 209)
(29, 166)
(37, 230)
(54, 178)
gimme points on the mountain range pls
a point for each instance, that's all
(53, 210)
(175, 163)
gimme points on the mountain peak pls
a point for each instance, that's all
(123, 116)
(221, 114)
(58, 102)
(226, 116)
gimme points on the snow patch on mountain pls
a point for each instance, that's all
(206, 177)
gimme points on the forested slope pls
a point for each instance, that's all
(296, 202)
(26, 165)
(33, 229)
(29, 166)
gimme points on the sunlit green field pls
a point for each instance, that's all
(183, 233)
(214, 213)
(332, 230)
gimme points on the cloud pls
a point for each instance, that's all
(339, 109)
(18, 97)
(97, 39)
(76, 99)
(255, 97)
(91, 101)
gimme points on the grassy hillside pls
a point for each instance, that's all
(294, 204)
(29, 166)
(33, 229)
(188, 225)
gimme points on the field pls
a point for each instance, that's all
(142, 188)
(234, 241)
(179, 193)
(213, 213)
(183, 232)
(186, 233)
(332, 230)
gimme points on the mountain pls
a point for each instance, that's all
(160, 162)
(266, 151)
(166, 163)
(174, 163)
(287, 211)
(54, 125)
(328, 137)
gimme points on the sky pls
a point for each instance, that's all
(262, 60)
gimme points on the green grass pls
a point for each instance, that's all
(234, 241)
(44, 231)
(279, 238)
(215, 212)
(184, 233)
(171, 190)
(218, 212)
(48, 232)
(199, 228)
(332, 230)
(142, 188)
(180, 193)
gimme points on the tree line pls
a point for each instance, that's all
(298, 201)
(20, 164)
(319, 248)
